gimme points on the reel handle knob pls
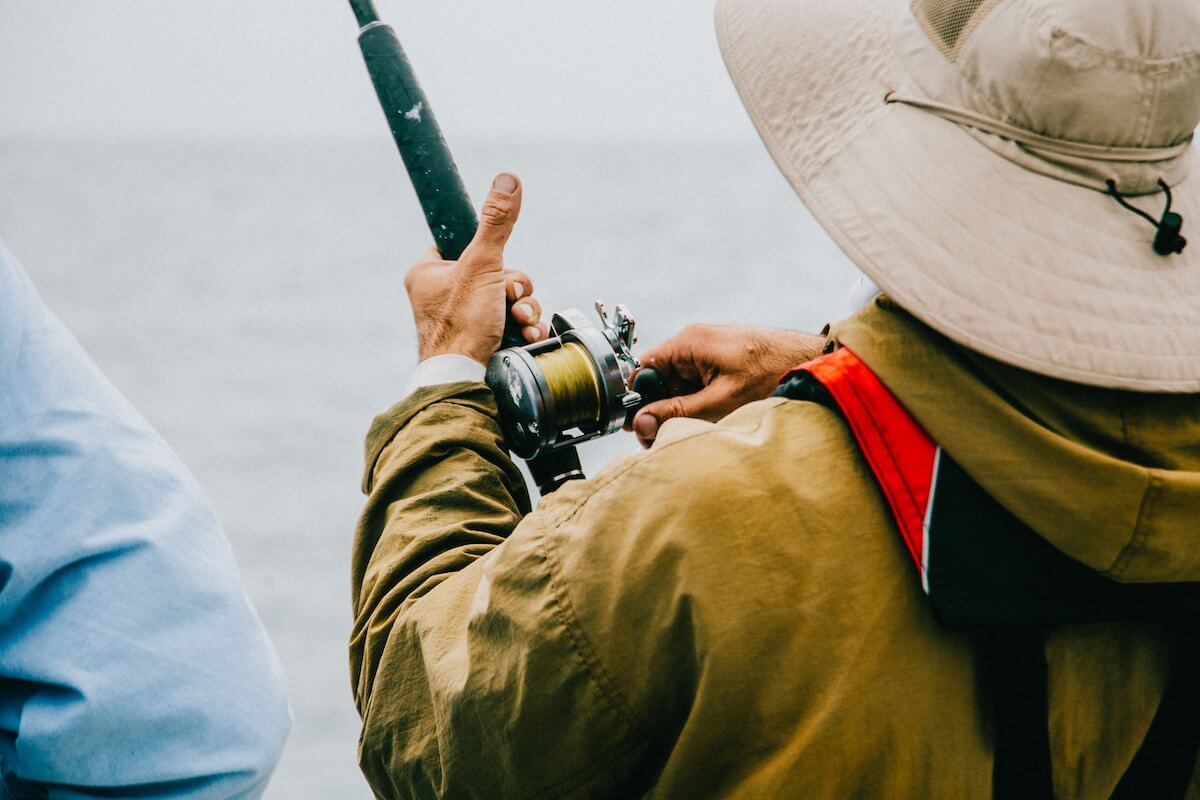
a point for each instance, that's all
(650, 386)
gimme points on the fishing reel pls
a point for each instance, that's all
(576, 385)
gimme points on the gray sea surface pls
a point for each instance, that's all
(248, 298)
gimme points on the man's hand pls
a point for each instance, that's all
(459, 306)
(712, 369)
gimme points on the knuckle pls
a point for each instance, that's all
(410, 278)
(518, 285)
(698, 332)
(496, 210)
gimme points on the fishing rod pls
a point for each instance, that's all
(582, 382)
(434, 175)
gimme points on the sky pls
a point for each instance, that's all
(233, 69)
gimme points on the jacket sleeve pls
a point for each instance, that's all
(472, 668)
(441, 492)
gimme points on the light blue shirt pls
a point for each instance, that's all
(131, 661)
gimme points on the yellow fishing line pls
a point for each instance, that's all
(574, 384)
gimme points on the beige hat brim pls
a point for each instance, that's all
(1032, 271)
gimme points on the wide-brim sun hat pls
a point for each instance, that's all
(981, 161)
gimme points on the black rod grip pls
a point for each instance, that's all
(435, 177)
(364, 12)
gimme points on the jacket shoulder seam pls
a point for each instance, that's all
(580, 642)
(1141, 527)
(584, 651)
(564, 609)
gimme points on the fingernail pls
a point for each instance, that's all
(518, 291)
(533, 333)
(505, 183)
(646, 427)
(524, 311)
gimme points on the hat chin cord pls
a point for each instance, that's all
(1168, 241)
(1037, 141)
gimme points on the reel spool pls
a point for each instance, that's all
(570, 388)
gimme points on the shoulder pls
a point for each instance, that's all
(713, 537)
(765, 450)
(711, 491)
(766, 442)
(118, 560)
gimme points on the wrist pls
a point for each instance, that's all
(424, 355)
(472, 348)
(443, 369)
(804, 347)
(785, 349)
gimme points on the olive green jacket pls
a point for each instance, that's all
(733, 614)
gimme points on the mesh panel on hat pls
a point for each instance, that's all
(948, 23)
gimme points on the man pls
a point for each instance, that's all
(131, 662)
(955, 558)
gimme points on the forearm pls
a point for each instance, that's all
(442, 492)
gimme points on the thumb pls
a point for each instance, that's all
(496, 221)
(699, 405)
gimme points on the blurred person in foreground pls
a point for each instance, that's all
(131, 662)
(954, 556)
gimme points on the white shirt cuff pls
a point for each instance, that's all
(443, 369)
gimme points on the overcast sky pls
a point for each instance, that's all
(237, 68)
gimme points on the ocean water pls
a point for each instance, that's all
(248, 298)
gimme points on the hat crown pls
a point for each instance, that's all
(916, 148)
(1108, 72)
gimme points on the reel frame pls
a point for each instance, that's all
(529, 415)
